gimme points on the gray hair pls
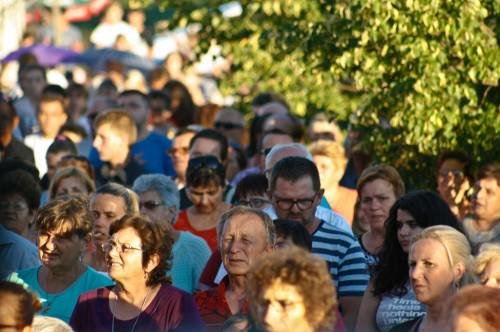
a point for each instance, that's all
(244, 210)
(301, 151)
(162, 184)
(49, 324)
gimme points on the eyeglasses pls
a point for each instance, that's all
(302, 204)
(149, 205)
(254, 202)
(119, 247)
(451, 173)
(227, 125)
(183, 150)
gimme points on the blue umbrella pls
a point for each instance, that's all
(46, 55)
(97, 59)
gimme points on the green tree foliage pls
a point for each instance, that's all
(429, 69)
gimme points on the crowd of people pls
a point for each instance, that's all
(144, 207)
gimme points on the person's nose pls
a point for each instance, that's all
(415, 272)
(295, 208)
(405, 230)
(270, 315)
(204, 199)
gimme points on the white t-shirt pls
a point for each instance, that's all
(39, 145)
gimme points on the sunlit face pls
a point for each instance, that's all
(377, 198)
(491, 274)
(15, 214)
(152, 206)
(51, 117)
(450, 179)
(107, 141)
(301, 190)
(206, 199)
(486, 199)
(243, 240)
(104, 209)
(180, 152)
(431, 276)
(58, 250)
(126, 265)
(205, 147)
(72, 186)
(281, 308)
(407, 228)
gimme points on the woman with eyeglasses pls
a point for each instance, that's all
(205, 185)
(137, 258)
(389, 299)
(63, 227)
(378, 188)
(252, 191)
(109, 203)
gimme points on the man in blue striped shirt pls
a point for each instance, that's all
(296, 192)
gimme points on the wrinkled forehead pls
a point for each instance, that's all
(245, 224)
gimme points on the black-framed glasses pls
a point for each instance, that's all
(119, 247)
(302, 204)
(254, 202)
(210, 162)
(227, 125)
(149, 205)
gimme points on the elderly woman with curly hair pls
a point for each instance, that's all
(291, 291)
(137, 257)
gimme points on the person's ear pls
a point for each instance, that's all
(458, 271)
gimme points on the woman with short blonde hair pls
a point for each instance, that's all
(487, 265)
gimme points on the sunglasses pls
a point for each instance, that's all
(207, 162)
(227, 125)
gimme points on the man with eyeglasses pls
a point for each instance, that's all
(296, 193)
(159, 200)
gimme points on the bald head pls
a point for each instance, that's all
(282, 151)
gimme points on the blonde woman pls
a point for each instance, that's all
(71, 181)
(487, 265)
(439, 259)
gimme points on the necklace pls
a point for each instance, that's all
(138, 316)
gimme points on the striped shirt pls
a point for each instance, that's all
(346, 261)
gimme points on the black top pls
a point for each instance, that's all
(17, 150)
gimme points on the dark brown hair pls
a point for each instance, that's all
(155, 241)
(18, 306)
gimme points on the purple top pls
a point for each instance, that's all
(171, 310)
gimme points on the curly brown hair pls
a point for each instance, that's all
(155, 241)
(307, 273)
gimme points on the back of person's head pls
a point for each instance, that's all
(71, 128)
(383, 172)
(489, 171)
(478, 305)
(18, 306)
(279, 151)
(7, 117)
(213, 135)
(268, 97)
(252, 184)
(294, 231)
(293, 169)
(62, 144)
(50, 324)
(118, 190)
(119, 122)
(162, 184)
